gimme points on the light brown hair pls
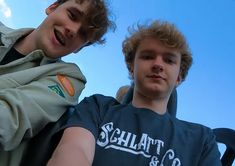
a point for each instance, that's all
(97, 21)
(167, 34)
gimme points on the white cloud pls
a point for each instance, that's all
(4, 9)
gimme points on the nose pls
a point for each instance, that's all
(72, 30)
(158, 64)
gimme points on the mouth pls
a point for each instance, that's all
(156, 77)
(59, 37)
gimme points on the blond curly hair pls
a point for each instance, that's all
(167, 34)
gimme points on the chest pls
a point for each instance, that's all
(142, 139)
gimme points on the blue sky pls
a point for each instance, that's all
(208, 94)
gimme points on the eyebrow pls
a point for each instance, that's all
(77, 11)
(78, 1)
(147, 51)
(170, 54)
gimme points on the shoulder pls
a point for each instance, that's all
(194, 130)
(18, 32)
(98, 102)
(67, 69)
(4, 29)
(9, 35)
(101, 100)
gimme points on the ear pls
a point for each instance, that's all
(51, 8)
(179, 80)
(132, 70)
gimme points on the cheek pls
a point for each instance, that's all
(176, 76)
(77, 41)
(138, 74)
(135, 71)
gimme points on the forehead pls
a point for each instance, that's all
(80, 1)
(155, 45)
(81, 4)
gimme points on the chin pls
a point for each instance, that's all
(155, 88)
(150, 90)
(156, 91)
(53, 54)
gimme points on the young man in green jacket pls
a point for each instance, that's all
(36, 86)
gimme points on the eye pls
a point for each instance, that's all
(146, 56)
(170, 58)
(169, 61)
(72, 15)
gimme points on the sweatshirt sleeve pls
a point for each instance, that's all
(210, 154)
(26, 109)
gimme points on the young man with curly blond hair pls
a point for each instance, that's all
(104, 132)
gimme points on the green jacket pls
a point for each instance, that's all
(34, 91)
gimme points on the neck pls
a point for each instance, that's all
(25, 45)
(157, 104)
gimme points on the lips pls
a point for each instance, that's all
(155, 76)
(59, 37)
